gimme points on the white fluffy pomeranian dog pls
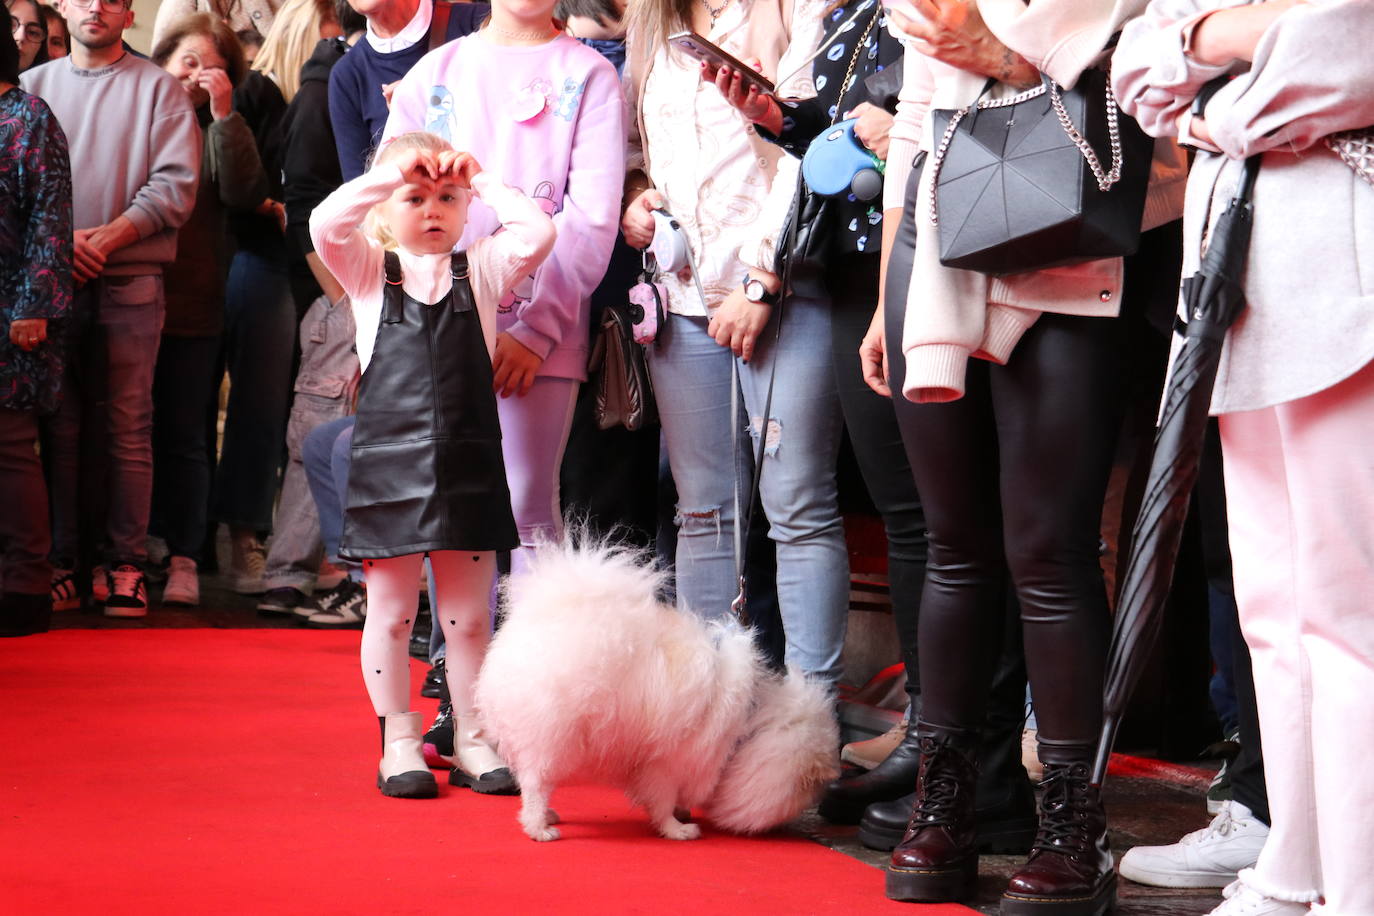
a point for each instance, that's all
(592, 679)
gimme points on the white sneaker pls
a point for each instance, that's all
(100, 584)
(183, 583)
(1210, 857)
(1244, 900)
(248, 562)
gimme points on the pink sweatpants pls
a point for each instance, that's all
(1300, 491)
(534, 433)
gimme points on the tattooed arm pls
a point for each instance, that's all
(953, 32)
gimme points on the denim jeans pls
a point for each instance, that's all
(259, 346)
(691, 376)
(183, 384)
(324, 458)
(109, 377)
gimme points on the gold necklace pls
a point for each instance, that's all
(513, 35)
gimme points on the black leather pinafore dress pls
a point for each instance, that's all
(427, 472)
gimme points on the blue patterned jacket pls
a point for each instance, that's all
(35, 248)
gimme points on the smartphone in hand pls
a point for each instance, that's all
(693, 45)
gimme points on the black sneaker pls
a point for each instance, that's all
(345, 607)
(438, 743)
(128, 592)
(419, 636)
(434, 681)
(285, 601)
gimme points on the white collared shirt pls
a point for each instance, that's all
(414, 32)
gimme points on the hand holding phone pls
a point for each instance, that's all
(716, 59)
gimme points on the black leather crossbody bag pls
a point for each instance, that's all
(1047, 177)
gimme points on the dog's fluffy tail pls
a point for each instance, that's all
(602, 578)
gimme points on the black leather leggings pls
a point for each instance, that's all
(852, 283)
(1012, 477)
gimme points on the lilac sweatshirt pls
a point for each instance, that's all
(567, 154)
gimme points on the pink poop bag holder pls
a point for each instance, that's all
(647, 298)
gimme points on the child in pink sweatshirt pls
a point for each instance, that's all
(427, 477)
(548, 111)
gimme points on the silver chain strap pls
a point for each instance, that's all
(1105, 180)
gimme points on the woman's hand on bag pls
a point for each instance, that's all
(637, 223)
(757, 106)
(873, 355)
(513, 366)
(953, 32)
(873, 128)
(738, 321)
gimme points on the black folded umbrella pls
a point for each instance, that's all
(1214, 297)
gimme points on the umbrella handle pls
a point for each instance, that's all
(1104, 749)
(1247, 180)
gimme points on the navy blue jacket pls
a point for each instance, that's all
(356, 107)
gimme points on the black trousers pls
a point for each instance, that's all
(879, 451)
(1013, 477)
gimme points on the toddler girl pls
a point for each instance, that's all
(427, 475)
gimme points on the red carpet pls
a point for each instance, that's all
(231, 771)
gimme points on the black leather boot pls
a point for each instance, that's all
(1070, 870)
(937, 859)
(846, 798)
(1006, 822)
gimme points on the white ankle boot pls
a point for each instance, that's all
(479, 768)
(402, 772)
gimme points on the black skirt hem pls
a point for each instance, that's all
(404, 550)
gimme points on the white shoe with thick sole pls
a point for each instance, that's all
(1210, 857)
(402, 772)
(183, 583)
(478, 767)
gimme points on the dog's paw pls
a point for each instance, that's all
(673, 830)
(543, 834)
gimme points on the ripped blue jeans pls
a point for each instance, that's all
(691, 375)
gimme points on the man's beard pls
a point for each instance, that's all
(98, 41)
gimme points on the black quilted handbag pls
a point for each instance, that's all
(1020, 183)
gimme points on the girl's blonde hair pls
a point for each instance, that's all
(291, 40)
(374, 225)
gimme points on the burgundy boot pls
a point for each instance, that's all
(937, 860)
(1070, 870)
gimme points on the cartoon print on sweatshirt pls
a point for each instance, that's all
(523, 291)
(570, 98)
(439, 113)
